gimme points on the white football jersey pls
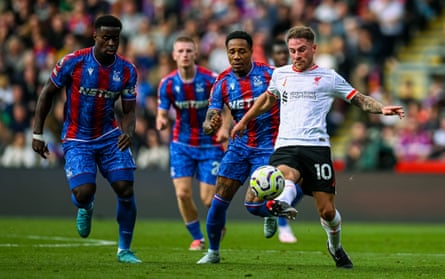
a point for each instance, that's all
(305, 100)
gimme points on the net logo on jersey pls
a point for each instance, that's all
(192, 104)
(241, 104)
(95, 92)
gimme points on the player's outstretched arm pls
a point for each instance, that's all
(162, 119)
(43, 107)
(212, 122)
(261, 105)
(371, 105)
(227, 121)
(128, 123)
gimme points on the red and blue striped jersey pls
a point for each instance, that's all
(239, 94)
(190, 101)
(91, 91)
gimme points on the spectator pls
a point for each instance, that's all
(14, 59)
(6, 94)
(389, 15)
(5, 136)
(19, 118)
(152, 154)
(218, 56)
(142, 47)
(354, 38)
(438, 150)
(414, 144)
(19, 153)
(131, 18)
(80, 22)
(57, 31)
(368, 151)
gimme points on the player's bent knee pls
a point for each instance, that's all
(183, 195)
(123, 189)
(84, 193)
(327, 214)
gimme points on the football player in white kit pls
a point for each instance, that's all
(302, 150)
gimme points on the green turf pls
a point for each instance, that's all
(50, 248)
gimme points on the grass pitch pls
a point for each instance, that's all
(51, 248)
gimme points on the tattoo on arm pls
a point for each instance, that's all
(367, 103)
(211, 113)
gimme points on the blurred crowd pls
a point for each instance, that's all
(357, 38)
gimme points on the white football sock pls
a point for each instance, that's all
(289, 192)
(333, 230)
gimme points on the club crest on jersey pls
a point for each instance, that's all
(257, 81)
(199, 88)
(116, 76)
(316, 80)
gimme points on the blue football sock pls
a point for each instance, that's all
(298, 196)
(258, 208)
(194, 228)
(282, 221)
(126, 218)
(216, 220)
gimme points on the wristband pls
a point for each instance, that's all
(38, 137)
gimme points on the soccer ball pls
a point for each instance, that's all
(267, 182)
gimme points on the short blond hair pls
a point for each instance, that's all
(301, 32)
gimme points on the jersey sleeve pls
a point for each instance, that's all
(131, 75)
(272, 88)
(61, 73)
(163, 100)
(343, 88)
(216, 95)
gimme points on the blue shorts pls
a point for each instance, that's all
(240, 161)
(83, 158)
(189, 161)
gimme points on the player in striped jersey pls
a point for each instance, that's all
(238, 87)
(306, 93)
(95, 79)
(192, 152)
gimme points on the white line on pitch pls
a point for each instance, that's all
(396, 254)
(71, 241)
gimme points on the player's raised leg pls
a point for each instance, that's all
(285, 233)
(80, 171)
(84, 211)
